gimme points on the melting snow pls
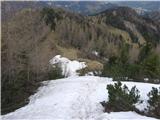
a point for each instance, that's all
(68, 67)
(76, 98)
(95, 53)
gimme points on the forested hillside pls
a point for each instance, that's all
(31, 37)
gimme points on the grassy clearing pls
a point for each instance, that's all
(117, 31)
(70, 53)
(92, 65)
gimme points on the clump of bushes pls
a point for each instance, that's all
(55, 73)
(121, 98)
(151, 66)
(50, 17)
(120, 68)
(16, 91)
(154, 102)
(147, 66)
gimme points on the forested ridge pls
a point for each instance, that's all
(128, 45)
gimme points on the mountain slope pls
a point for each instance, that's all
(76, 98)
(28, 43)
(145, 5)
(84, 7)
(127, 19)
(155, 15)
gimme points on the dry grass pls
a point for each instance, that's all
(70, 53)
(92, 65)
(134, 30)
(118, 32)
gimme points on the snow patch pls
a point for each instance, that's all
(89, 74)
(69, 67)
(95, 53)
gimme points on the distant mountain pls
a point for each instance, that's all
(92, 7)
(155, 15)
(139, 27)
(82, 7)
(145, 5)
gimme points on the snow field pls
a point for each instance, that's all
(76, 98)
